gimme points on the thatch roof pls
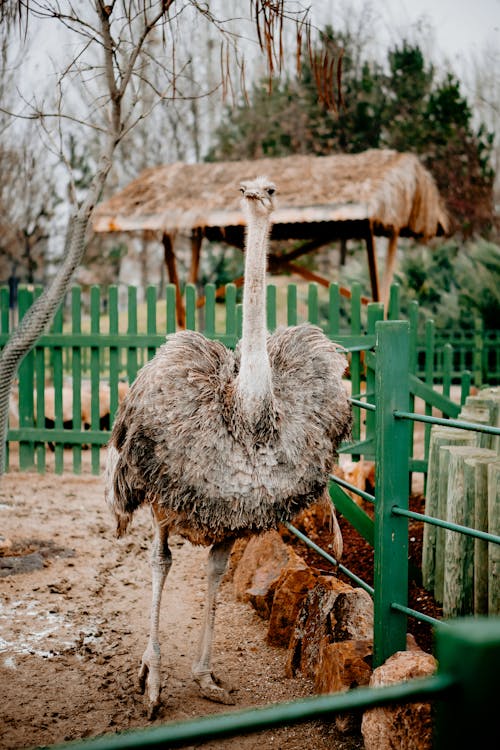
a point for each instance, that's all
(389, 191)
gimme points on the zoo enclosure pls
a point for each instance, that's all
(390, 389)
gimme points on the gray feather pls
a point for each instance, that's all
(180, 439)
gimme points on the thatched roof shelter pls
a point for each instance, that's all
(321, 199)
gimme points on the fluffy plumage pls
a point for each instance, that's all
(225, 444)
(192, 450)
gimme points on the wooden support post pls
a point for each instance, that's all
(196, 240)
(494, 528)
(439, 436)
(458, 597)
(170, 262)
(390, 265)
(476, 482)
(372, 264)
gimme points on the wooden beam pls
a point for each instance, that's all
(372, 264)
(196, 240)
(170, 262)
(390, 265)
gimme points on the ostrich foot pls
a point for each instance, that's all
(150, 680)
(211, 688)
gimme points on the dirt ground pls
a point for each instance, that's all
(74, 619)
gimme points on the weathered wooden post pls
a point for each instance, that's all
(494, 528)
(458, 567)
(440, 436)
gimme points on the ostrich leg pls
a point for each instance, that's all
(202, 667)
(149, 673)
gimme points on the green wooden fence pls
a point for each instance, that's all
(92, 349)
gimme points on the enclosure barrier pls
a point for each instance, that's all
(390, 379)
(89, 354)
(464, 691)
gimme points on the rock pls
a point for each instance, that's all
(260, 568)
(408, 726)
(353, 613)
(235, 558)
(343, 665)
(312, 625)
(296, 580)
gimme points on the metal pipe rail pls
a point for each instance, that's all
(468, 653)
(206, 728)
(449, 525)
(460, 424)
(352, 488)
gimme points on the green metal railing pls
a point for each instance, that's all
(464, 692)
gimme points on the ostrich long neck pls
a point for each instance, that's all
(254, 381)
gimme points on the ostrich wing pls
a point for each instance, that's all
(307, 381)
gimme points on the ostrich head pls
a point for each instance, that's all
(258, 196)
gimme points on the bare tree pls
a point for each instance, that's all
(100, 87)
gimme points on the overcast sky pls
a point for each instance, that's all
(449, 30)
(460, 26)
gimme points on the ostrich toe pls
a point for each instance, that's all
(211, 688)
(150, 681)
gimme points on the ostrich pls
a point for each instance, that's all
(225, 444)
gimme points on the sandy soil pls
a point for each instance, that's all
(74, 618)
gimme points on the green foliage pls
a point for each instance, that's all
(453, 283)
(407, 108)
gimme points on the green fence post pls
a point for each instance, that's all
(355, 364)
(271, 312)
(132, 359)
(478, 352)
(392, 488)
(394, 307)
(313, 304)
(151, 317)
(114, 352)
(333, 310)
(231, 315)
(170, 309)
(291, 305)
(430, 367)
(468, 650)
(76, 371)
(58, 382)
(95, 373)
(26, 374)
(375, 313)
(190, 294)
(210, 311)
(4, 309)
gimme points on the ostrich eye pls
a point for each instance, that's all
(242, 190)
(271, 191)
